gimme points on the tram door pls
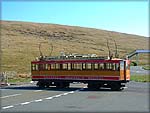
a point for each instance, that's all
(127, 69)
(122, 70)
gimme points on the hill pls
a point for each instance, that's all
(20, 42)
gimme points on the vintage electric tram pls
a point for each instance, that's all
(95, 71)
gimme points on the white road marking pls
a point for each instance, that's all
(71, 92)
(10, 95)
(49, 98)
(37, 90)
(39, 100)
(7, 107)
(25, 103)
(65, 93)
(57, 95)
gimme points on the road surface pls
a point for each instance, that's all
(78, 98)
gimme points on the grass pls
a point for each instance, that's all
(20, 43)
(140, 78)
(19, 80)
(146, 67)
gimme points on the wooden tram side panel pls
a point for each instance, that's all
(76, 74)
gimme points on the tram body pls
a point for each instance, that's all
(95, 72)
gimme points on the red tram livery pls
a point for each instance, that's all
(95, 71)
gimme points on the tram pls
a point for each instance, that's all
(95, 71)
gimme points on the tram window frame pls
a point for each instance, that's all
(83, 66)
(92, 66)
(127, 66)
(101, 66)
(65, 66)
(96, 67)
(49, 67)
(33, 67)
(41, 67)
(69, 66)
(57, 66)
(78, 66)
(53, 67)
(46, 66)
(88, 66)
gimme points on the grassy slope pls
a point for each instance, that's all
(20, 42)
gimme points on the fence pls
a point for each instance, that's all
(4, 76)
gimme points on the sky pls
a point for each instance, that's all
(130, 17)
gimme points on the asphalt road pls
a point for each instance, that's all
(138, 70)
(29, 98)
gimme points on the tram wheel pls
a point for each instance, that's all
(93, 86)
(41, 84)
(116, 87)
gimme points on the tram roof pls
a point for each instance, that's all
(85, 60)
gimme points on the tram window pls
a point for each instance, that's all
(113, 66)
(92, 66)
(74, 66)
(117, 67)
(48, 67)
(79, 66)
(69, 66)
(57, 66)
(33, 67)
(83, 66)
(95, 66)
(101, 66)
(109, 66)
(52, 66)
(89, 66)
(36, 67)
(65, 66)
(41, 66)
(127, 65)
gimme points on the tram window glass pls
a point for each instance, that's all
(83, 66)
(57, 66)
(113, 66)
(92, 66)
(41, 67)
(69, 66)
(89, 66)
(117, 67)
(101, 66)
(74, 66)
(127, 65)
(65, 66)
(36, 67)
(52, 66)
(79, 66)
(110, 66)
(95, 66)
(46, 66)
(33, 66)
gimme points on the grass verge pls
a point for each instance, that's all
(140, 78)
(19, 80)
(146, 67)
